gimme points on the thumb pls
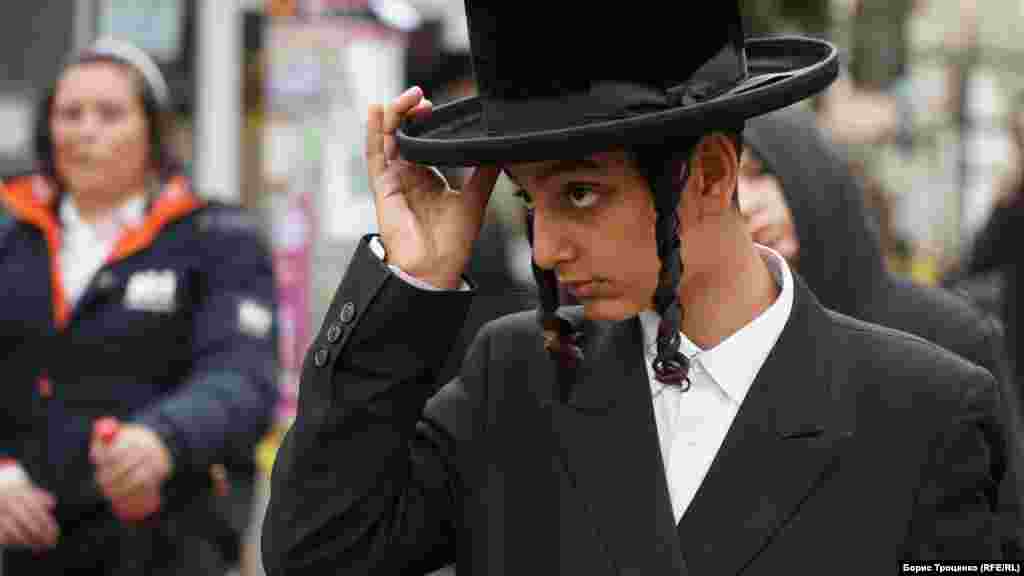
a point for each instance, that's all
(46, 499)
(99, 453)
(480, 185)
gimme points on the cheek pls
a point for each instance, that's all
(747, 191)
(60, 136)
(131, 138)
(636, 264)
(130, 149)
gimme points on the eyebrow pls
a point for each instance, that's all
(560, 166)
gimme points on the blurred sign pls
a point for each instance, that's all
(282, 8)
(16, 118)
(323, 71)
(155, 26)
(292, 237)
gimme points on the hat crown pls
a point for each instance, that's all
(539, 71)
(520, 53)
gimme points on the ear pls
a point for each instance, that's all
(714, 173)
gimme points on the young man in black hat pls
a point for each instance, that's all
(700, 413)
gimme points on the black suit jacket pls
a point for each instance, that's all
(951, 321)
(857, 448)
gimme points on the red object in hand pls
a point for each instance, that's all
(132, 507)
(105, 430)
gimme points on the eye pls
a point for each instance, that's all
(110, 112)
(525, 197)
(582, 195)
(69, 113)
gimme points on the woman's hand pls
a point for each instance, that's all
(26, 511)
(427, 229)
(136, 459)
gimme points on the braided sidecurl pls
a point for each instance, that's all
(561, 340)
(665, 169)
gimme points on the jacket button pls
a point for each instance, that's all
(333, 333)
(348, 311)
(320, 358)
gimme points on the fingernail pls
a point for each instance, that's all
(411, 91)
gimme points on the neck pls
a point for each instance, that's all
(727, 294)
(94, 204)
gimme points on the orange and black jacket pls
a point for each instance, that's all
(176, 331)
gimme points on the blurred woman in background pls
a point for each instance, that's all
(126, 297)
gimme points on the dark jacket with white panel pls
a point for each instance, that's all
(176, 331)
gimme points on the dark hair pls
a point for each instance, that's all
(665, 167)
(158, 119)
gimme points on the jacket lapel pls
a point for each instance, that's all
(609, 444)
(105, 283)
(780, 447)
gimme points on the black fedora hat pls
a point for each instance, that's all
(556, 84)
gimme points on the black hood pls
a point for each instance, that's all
(840, 248)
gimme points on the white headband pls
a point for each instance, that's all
(140, 61)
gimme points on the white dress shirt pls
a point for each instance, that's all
(693, 424)
(85, 246)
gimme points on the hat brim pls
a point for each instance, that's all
(781, 71)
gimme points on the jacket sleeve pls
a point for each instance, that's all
(954, 515)
(366, 479)
(1011, 485)
(226, 403)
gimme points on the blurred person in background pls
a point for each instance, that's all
(125, 296)
(802, 199)
(998, 248)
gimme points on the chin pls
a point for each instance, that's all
(608, 309)
(85, 180)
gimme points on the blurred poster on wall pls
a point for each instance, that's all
(16, 117)
(369, 68)
(326, 62)
(291, 167)
(292, 234)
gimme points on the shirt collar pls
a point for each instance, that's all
(752, 343)
(130, 213)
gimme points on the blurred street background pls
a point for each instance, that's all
(271, 97)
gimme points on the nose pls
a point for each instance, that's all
(83, 129)
(551, 241)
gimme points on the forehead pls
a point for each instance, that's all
(603, 164)
(97, 80)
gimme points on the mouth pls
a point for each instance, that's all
(82, 159)
(585, 289)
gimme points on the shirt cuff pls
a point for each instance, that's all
(378, 249)
(11, 471)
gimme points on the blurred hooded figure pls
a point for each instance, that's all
(993, 264)
(801, 198)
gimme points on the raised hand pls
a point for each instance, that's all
(427, 228)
